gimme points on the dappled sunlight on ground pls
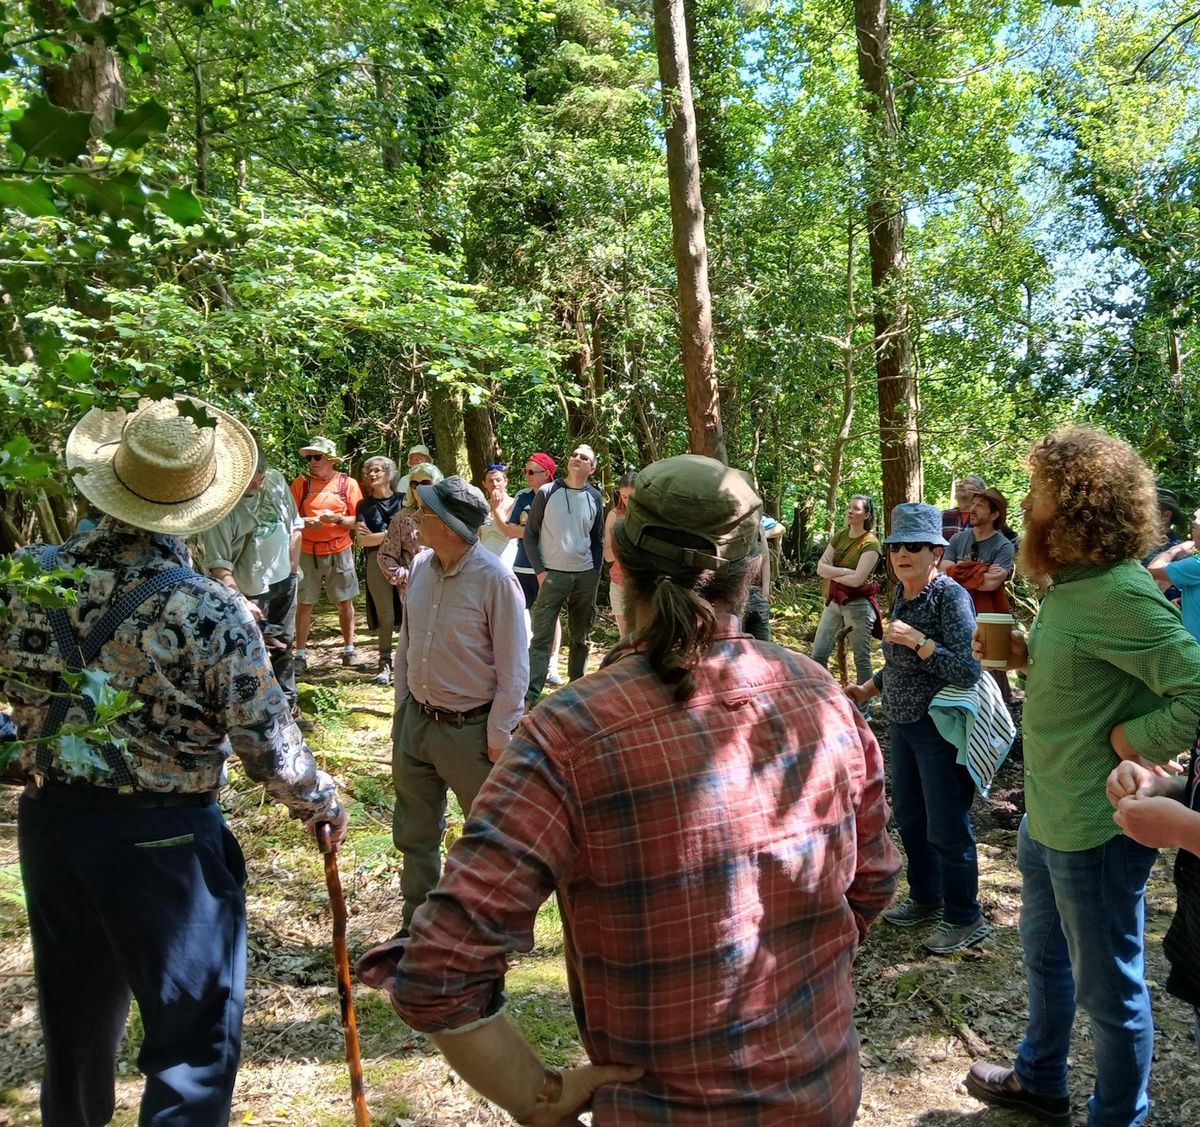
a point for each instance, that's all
(920, 1016)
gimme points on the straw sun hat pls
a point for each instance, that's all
(156, 469)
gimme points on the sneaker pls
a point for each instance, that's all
(911, 914)
(949, 937)
(991, 1084)
(554, 678)
(347, 656)
(300, 660)
(384, 676)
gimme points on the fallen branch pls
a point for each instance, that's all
(972, 1042)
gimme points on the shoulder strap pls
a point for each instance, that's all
(77, 656)
(343, 486)
(304, 494)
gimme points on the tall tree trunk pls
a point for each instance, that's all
(91, 81)
(846, 346)
(687, 232)
(389, 146)
(480, 434)
(899, 439)
(449, 433)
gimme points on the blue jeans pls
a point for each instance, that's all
(931, 798)
(1082, 917)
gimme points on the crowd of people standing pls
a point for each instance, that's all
(709, 808)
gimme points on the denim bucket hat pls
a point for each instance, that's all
(914, 523)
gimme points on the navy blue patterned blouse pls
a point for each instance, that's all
(944, 613)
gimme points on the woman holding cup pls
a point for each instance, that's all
(926, 647)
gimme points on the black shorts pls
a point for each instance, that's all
(529, 585)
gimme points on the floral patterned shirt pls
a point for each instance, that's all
(193, 657)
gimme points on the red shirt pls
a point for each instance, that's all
(326, 539)
(717, 863)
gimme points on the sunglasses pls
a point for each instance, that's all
(529, 470)
(909, 547)
(313, 457)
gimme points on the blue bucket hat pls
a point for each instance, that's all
(914, 523)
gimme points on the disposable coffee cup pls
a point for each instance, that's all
(996, 630)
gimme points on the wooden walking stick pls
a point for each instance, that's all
(843, 671)
(341, 960)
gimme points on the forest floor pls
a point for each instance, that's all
(922, 1018)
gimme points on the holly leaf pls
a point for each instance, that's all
(32, 197)
(190, 409)
(121, 196)
(78, 757)
(46, 130)
(181, 205)
(133, 128)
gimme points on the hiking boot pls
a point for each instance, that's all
(300, 661)
(991, 1084)
(348, 654)
(298, 719)
(911, 914)
(384, 676)
(951, 937)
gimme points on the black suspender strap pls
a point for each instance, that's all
(77, 656)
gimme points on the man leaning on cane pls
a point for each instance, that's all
(133, 882)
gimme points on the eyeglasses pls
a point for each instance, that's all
(531, 470)
(911, 548)
(313, 457)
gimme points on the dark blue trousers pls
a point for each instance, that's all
(931, 800)
(148, 902)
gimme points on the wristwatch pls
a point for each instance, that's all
(920, 642)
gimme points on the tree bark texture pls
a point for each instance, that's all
(899, 437)
(449, 433)
(91, 81)
(480, 432)
(847, 350)
(687, 232)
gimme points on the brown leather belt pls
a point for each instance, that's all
(85, 796)
(445, 716)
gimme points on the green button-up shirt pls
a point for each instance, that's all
(1106, 648)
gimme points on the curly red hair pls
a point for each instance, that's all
(1106, 507)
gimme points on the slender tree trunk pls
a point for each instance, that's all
(390, 148)
(91, 80)
(847, 351)
(899, 438)
(687, 231)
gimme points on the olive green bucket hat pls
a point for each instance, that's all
(680, 500)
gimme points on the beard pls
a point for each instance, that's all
(1035, 557)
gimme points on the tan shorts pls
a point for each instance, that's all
(334, 573)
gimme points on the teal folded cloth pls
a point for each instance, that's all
(977, 723)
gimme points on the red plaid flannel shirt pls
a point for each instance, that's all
(717, 864)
